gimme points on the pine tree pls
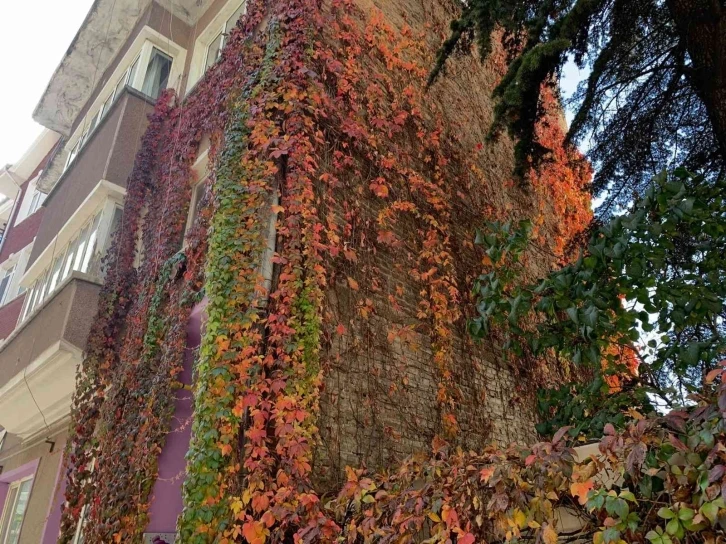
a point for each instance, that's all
(656, 94)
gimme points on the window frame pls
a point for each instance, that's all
(137, 55)
(9, 508)
(216, 29)
(77, 254)
(7, 273)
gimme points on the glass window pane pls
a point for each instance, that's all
(68, 265)
(43, 290)
(82, 241)
(157, 74)
(5, 284)
(120, 87)
(55, 273)
(3, 288)
(197, 199)
(10, 500)
(28, 303)
(232, 21)
(16, 521)
(214, 50)
(94, 122)
(91, 246)
(72, 155)
(132, 72)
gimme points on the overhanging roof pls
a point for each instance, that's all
(100, 38)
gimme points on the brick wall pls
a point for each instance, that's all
(379, 400)
(20, 235)
(9, 315)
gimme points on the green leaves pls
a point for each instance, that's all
(655, 277)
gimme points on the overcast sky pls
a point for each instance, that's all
(33, 38)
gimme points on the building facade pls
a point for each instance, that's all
(357, 284)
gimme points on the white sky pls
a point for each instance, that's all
(34, 37)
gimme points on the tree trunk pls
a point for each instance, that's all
(701, 25)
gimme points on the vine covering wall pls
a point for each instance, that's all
(353, 350)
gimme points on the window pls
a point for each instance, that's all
(36, 202)
(16, 503)
(157, 74)
(7, 278)
(194, 206)
(216, 44)
(3, 434)
(126, 79)
(77, 255)
(78, 537)
(149, 73)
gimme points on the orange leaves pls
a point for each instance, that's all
(549, 535)
(379, 187)
(486, 473)
(255, 532)
(579, 490)
(353, 284)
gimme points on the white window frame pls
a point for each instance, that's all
(138, 54)
(201, 46)
(36, 201)
(6, 273)
(9, 508)
(43, 282)
(200, 173)
(32, 197)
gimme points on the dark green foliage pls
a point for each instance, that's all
(653, 279)
(588, 407)
(641, 110)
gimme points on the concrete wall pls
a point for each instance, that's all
(109, 155)
(9, 314)
(43, 496)
(155, 17)
(67, 315)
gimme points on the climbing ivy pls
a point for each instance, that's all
(311, 113)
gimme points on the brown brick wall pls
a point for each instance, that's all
(9, 315)
(379, 399)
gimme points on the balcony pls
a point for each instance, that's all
(107, 156)
(38, 361)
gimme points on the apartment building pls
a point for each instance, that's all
(63, 201)
(98, 100)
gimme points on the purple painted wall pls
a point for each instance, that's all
(166, 502)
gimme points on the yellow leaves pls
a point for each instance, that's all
(237, 506)
(579, 490)
(434, 517)
(549, 535)
(519, 518)
(222, 343)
